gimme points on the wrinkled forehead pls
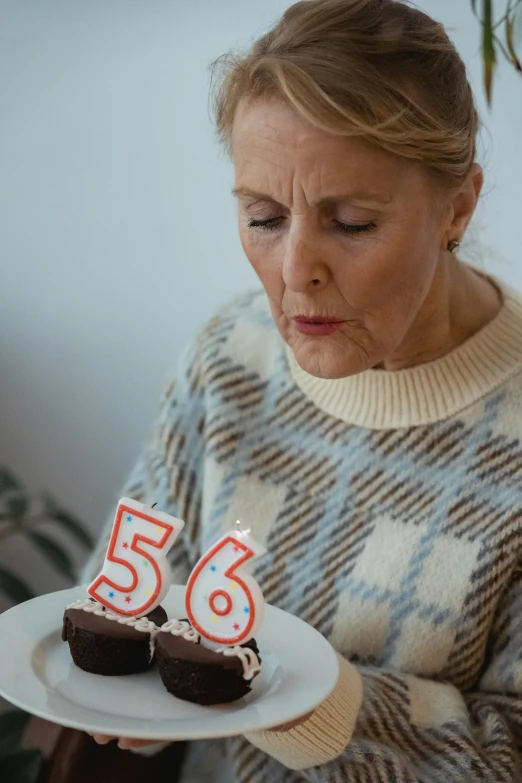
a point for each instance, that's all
(278, 153)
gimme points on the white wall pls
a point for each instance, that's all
(117, 230)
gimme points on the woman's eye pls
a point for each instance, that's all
(345, 228)
(354, 228)
(268, 225)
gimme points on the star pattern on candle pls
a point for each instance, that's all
(129, 518)
(214, 618)
(128, 599)
(212, 568)
(237, 549)
(236, 626)
(111, 594)
(146, 563)
(148, 592)
(246, 610)
(205, 597)
(125, 545)
(233, 585)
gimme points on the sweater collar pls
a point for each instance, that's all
(430, 392)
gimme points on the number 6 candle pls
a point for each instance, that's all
(223, 602)
(136, 576)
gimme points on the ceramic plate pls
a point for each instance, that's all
(299, 670)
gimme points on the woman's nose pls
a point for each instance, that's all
(303, 267)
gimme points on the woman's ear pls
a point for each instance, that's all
(463, 203)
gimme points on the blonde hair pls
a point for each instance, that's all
(377, 69)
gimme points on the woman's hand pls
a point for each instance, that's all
(126, 743)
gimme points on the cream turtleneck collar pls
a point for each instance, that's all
(430, 392)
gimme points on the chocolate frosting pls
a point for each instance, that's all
(181, 649)
(88, 621)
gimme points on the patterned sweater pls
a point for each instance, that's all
(391, 505)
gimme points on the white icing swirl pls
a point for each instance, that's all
(180, 628)
(93, 607)
(142, 624)
(248, 658)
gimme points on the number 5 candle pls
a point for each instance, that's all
(223, 602)
(136, 576)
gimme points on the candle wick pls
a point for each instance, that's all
(154, 504)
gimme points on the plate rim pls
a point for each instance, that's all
(137, 733)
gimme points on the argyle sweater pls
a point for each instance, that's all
(390, 504)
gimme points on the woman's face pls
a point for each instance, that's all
(345, 238)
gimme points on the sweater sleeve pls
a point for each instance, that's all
(169, 470)
(381, 725)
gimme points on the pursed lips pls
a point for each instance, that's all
(316, 325)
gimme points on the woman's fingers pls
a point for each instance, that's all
(126, 743)
(101, 739)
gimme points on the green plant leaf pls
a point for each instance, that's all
(12, 725)
(8, 481)
(488, 47)
(74, 527)
(54, 553)
(13, 587)
(510, 42)
(16, 505)
(21, 767)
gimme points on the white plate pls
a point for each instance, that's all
(299, 670)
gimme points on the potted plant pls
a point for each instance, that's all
(497, 38)
(32, 518)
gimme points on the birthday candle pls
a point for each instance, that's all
(223, 602)
(136, 576)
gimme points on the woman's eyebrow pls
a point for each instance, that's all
(354, 196)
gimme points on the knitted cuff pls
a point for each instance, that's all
(325, 734)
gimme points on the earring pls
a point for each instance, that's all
(453, 245)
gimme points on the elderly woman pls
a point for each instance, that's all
(363, 412)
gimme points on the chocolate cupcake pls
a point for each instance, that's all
(195, 673)
(102, 642)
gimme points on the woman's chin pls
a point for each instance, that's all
(318, 358)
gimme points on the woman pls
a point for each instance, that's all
(363, 413)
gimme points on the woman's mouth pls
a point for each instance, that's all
(316, 325)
